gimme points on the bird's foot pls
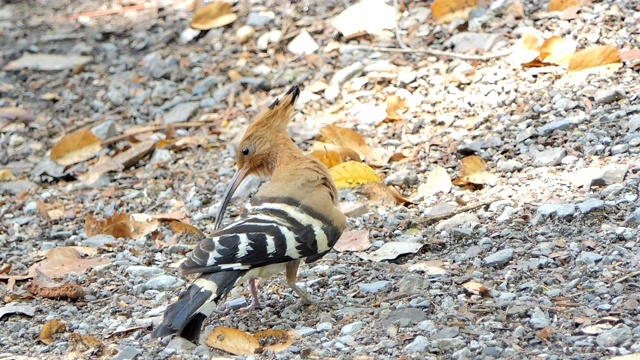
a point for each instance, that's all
(253, 306)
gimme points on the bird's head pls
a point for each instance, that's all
(259, 146)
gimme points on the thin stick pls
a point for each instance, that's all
(398, 35)
(434, 52)
(430, 219)
(629, 275)
(117, 138)
(113, 11)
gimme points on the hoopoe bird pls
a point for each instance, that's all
(294, 217)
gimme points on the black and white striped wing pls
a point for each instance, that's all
(276, 230)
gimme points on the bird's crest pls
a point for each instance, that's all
(277, 116)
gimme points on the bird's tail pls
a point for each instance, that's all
(195, 304)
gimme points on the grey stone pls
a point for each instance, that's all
(406, 77)
(446, 333)
(619, 149)
(610, 95)
(324, 326)
(181, 112)
(613, 174)
(373, 287)
(589, 257)
(549, 157)
(269, 37)
(99, 241)
(237, 303)
(127, 353)
(462, 221)
(509, 165)
(206, 84)
(562, 210)
(343, 75)
(163, 282)
(180, 344)
(143, 271)
(403, 177)
(539, 320)
(404, 317)
(351, 328)
(589, 205)
(633, 124)
(612, 191)
(634, 217)
(16, 187)
(261, 18)
(500, 257)
(256, 83)
(615, 336)
(47, 62)
(559, 125)
(419, 345)
(463, 354)
(104, 130)
(492, 351)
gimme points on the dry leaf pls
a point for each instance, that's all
(42, 286)
(560, 5)
(332, 155)
(570, 13)
(593, 57)
(5, 174)
(233, 341)
(344, 137)
(391, 250)
(394, 103)
(353, 240)
(213, 15)
(431, 267)
(378, 193)
(42, 210)
(544, 333)
(78, 146)
(557, 50)
(120, 225)
(273, 340)
(14, 113)
(447, 10)
(182, 228)
(80, 345)
(630, 55)
(63, 260)
(472, 172)
(476, 288)
(134, 154)
(437, 181)
(352, 173)
(49, 328)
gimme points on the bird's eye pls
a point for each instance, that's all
(245, 151)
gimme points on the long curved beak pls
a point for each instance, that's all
(228, 193)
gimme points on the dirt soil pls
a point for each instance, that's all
(540, 260)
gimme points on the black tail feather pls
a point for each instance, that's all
(186, 315)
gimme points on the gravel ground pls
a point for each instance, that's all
(547, 267)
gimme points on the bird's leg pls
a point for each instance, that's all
(255, 303)
(292, 277)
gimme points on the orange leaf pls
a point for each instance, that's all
(213, 15)
(441, 8)
(394, 103)
(182, 228)
(75, 147)
(560, 5)
(476, 288)
(557, 50)
(472, 172)
(233, 341)
(63, 260)
(49, 328)
(594, 56)
(345, 138)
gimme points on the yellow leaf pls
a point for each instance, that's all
(394, 103)
(75, 147)
(352, 173)
(560, 5)
(332, 155)
(182, 228)
(472, 172)
(594, 56)
(49, 328)
(438, 180)
(447, 10)
(213, 15)
(5, 174)
(557, 50)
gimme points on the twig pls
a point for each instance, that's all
(430, 219)
(629, 275)
(435, 52)
(398, 36)
(113, 11)
(117, 138)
